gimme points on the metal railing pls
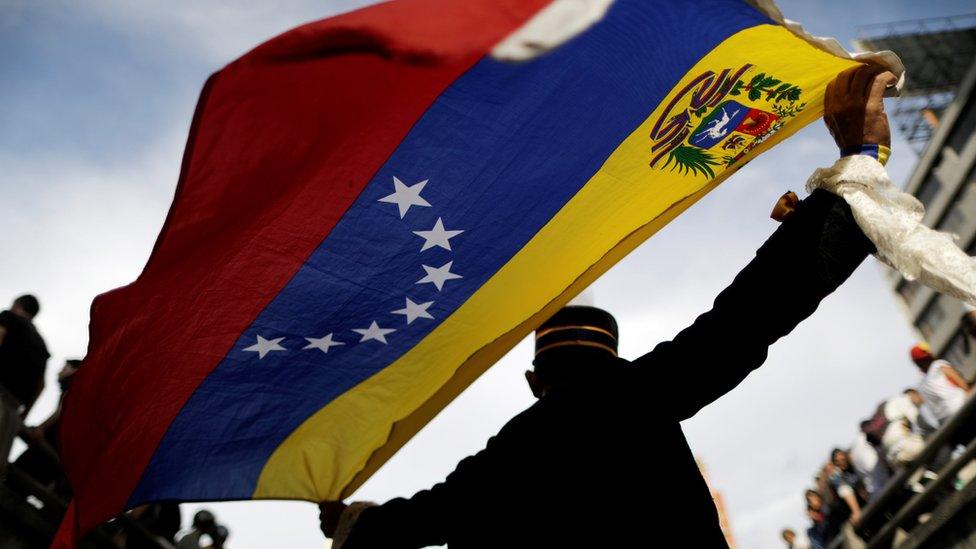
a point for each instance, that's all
(33, 527)
(892, 519)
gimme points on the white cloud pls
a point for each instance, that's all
(75, 230)
(218, 31)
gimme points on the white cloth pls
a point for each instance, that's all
(901, 445)
(901, 407)
(892, 220)
(868, 465)
(943, 397)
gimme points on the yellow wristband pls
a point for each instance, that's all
(883, 154)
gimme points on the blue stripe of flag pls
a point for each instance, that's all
(503, 149)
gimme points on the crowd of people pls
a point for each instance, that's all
(23, 364)
(888, 441)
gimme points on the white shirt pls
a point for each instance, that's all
(894, 435)
(868, 464)
(800, 541)
(901, 407)
(943, 397)
(897, 410)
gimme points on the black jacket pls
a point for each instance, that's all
(601, 461)
(23, 358)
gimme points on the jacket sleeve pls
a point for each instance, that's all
(430, 516)
(811, 253)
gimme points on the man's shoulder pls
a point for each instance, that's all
(605, 373)
(21, 333)
(7, 319)
(936, 371)
(898, 407)
(940, 364)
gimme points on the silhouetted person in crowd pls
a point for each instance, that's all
(846, 484)
(40, 461)
(869, 464)
(23, 354)
(566, 471)
(900, 436)
(945, 391)
(823, 526)
(793, 541)
(943, 388)
(968, 323)
(160, 520)
(204, 524)
(914, 397)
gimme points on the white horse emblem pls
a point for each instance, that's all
(716, 129)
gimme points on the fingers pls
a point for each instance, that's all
(875, 99)
(882, 81)
(329, 513)
(853, 106)
(332, 508)
(863, 78)
(857, 82)
(843, 81)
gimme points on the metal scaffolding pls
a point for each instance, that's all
(937, 53)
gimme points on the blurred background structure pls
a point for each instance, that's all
(907, 480)
(937, 115)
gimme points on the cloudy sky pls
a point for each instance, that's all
(95, 103)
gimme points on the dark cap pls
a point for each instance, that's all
(578, 326)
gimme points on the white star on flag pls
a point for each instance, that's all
(405, 196)
(437, 276)
(413, 311)
(373, 332)
(437, 236)
(265, 346)
(323, 343)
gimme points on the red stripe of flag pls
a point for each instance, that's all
(282, 142)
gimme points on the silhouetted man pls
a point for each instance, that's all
(23, 354)
(43, 465)
(596, 461)
(204, 524)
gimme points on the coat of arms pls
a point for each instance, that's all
(702, 127)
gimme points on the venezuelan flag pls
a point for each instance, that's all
(372, 210)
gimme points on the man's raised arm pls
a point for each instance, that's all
(429, 517)
(812, 253)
